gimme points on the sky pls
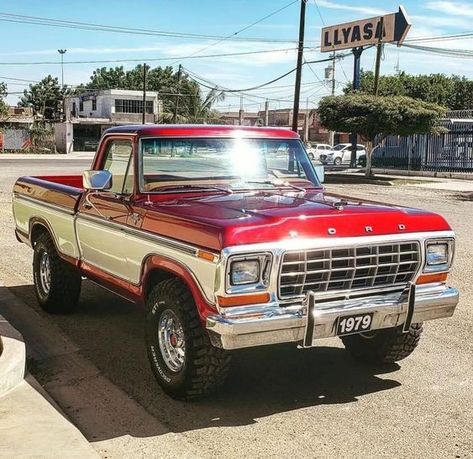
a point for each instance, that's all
(30, 43)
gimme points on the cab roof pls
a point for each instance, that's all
(202, 130)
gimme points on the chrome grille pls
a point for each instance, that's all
(357, 268)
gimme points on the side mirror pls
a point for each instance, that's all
(97, 180)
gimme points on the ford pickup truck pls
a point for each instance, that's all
(227, 238)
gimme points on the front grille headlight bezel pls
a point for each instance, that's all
(439, 265)
(264, 261)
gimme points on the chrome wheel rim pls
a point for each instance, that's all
(171, 340)
(45, 272)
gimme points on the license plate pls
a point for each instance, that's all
(354, 324)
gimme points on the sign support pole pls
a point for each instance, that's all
(356, 85)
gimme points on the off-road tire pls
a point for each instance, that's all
(337, 161)
(65, 279)
(383, 346)
(205, 367)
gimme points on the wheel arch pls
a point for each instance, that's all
(157, 268)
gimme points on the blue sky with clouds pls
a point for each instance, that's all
(34, 43)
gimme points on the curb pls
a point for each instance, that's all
(12, 357)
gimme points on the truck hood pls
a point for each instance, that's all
(218, 221)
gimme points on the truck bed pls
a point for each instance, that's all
(59, 190)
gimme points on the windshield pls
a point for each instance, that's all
(233, 162)
(340, 146)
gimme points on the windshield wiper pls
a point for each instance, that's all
(277, 183)
(194, 187)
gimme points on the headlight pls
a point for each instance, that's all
(438, 256)
(244, 272)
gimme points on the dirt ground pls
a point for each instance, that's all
(279, 401)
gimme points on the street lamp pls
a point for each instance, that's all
(62, 52)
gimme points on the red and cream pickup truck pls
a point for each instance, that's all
(228, 239)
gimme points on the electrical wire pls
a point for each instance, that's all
(239, 31)
(153, 59)
(51, 22)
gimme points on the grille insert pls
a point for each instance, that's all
(362, 267)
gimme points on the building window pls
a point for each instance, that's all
(74, 109)
(132, 106)
(94, 105)
(81, 105)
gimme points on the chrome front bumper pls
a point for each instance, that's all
(271, 323)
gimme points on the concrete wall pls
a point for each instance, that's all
(63, 134)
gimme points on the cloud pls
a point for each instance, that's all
(358, 9)
(452, 8)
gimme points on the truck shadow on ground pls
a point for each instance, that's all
(263, 381)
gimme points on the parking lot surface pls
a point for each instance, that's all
(279, 401)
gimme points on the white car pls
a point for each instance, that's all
(315, 150)
(341, 153)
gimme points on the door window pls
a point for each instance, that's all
(119, 161)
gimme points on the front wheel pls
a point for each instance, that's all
(183, 360)
(383, 346)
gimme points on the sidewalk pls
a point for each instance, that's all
(32, 426)
(60, 157)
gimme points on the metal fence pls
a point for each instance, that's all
(451, 151)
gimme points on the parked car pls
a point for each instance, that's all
(341, 154)
(241, 250)
(315, 150)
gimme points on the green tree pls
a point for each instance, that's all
(161, 79)
(369, 116)
(45, 97)
(3, 104)
(453, 92)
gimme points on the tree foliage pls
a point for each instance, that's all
(3, 104)
(45, 98)
(192, 106)
(454, 92)
(369, 115)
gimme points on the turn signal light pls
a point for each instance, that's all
(431, 278)
(243, 300)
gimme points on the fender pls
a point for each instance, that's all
(40, 221)
(204, 308)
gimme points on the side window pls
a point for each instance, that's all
(360, 147)
(119, 161)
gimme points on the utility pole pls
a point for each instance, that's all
(300, 55)
(62, 52)
(241, 112)
(176, 105)
(332, 133)
(356, 85)
(145, 72)
(379, 50)
(266, 112)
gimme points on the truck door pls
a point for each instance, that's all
(102, 216)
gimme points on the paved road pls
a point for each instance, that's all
(279, 401)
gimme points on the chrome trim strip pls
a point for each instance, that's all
(170, 243)
(56, 207)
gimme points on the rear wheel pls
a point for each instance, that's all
(337, 161)
(383, 346)
(184, 362)
(57, 283)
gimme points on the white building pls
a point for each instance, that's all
(91, 113)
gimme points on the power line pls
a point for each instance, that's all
(51, 22)
(158, 59)
(241, 30)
